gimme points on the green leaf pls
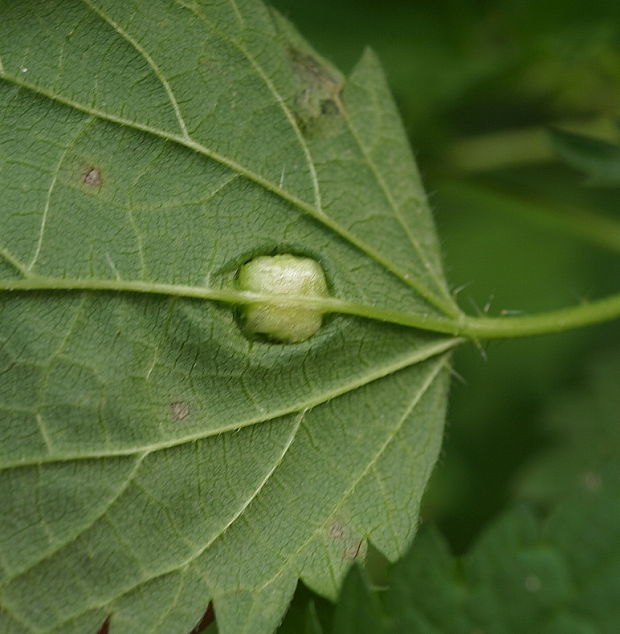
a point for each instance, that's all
(600, 160)
(557, 576)
(358, 611)
(154, 457)
(302, 617)
(582, 426)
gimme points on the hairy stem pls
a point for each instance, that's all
(569, 318)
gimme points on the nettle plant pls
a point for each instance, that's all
(225, 328)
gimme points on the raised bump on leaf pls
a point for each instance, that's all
(286, 275)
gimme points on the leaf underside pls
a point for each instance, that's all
(152, 457)
(557, 576)
(561, 576)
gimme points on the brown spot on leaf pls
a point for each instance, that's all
(345, 540)
(105, 627)
(92, 177)
(314, 75)
(354, 552)
(336, 530)
(317, 104)
(329, 107)
(179, 410)
(207, 618)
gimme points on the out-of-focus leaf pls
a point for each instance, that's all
(599, 159)
(557, 576)
(359, 610)
(302, 616)
(584, 429)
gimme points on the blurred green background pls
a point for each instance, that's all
(476, 83)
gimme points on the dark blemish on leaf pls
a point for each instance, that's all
(207, 618)
(313, 74)
(92, 177)
(179, 410)
(105, 628)
(317, 103)
(354, 552)
(329, 107)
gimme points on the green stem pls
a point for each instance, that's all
(553, 321)
(506, 327)
(465, 326)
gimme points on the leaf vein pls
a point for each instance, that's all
(375, 374)
(58, 547)
(260, 72)
(185, 564)
(185, 141)
(8, 257)
(440, 364)
(147, 58)
(237, 13)
(48, 197)
(395, 208)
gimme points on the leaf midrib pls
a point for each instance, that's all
(230, 295)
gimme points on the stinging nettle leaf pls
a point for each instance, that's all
(583, 427)
(154, 456)
(557, 576)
